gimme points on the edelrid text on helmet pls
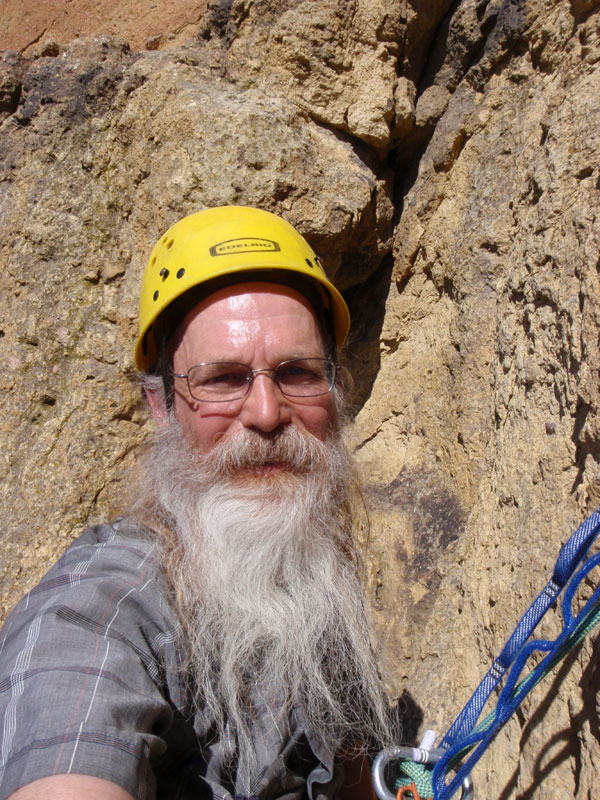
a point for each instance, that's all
(219, 242)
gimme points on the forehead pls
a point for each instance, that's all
(247, 319)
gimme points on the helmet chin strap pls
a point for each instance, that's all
(164, 369)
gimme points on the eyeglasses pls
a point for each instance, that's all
(220, 381)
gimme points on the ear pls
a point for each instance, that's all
(158, 406)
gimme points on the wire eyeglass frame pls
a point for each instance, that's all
(245, 373)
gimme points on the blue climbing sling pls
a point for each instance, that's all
(425, 770)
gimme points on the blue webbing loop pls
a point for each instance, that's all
(463, 735)
(572, 552)
(569, 557)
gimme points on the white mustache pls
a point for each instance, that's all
(298, 450)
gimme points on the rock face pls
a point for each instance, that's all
(443, 159)
(32, 28)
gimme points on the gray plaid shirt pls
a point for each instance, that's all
(89, 684)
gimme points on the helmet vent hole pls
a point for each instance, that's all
(155, 295)
(153, 261)
(309, 262)
(170, 244)
(180, 273)
(164, 273)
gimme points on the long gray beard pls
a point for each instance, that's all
(266, 585)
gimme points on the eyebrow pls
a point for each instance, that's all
(229, 360)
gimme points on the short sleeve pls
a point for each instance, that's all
(83, 666)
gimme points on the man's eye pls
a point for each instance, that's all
(297, 373)
(225, 379)
(217, 378)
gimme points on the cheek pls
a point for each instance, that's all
(318, 419)
(202, 429)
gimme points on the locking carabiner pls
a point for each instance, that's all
(418, 755)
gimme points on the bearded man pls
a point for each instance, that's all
(212, 643)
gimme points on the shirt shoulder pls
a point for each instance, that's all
(109, 568)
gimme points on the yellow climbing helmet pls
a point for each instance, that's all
(219, 243)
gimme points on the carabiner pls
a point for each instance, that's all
(419, 756)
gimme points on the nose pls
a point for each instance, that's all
(265, 408)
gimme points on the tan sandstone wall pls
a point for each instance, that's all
(444, 159)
